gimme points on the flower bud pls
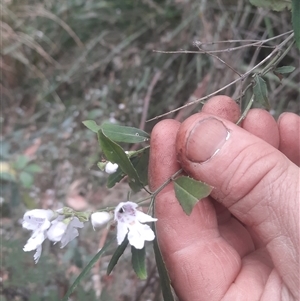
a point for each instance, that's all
(111, 167)
(99, 219)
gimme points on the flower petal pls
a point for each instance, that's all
(37, 219)
(56, 231)
(122, 231)
(125, 212)
(135, 238)
(36, 240)
(37, 254)
(147, 233)
(76, 223)
(69, 235)
(144, 218)
(71, 231)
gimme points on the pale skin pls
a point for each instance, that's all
(242, 242)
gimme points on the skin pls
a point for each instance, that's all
(241, 242)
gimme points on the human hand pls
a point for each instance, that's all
(242, 242)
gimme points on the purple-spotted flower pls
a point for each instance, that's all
(130, 221)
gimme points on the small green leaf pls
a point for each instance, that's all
(139, 160)
(296, 21)
(101, 165)
(138, 260)
(83, 216)
(26, 179)
(189, 191)
(21, 162)
(124, 133)
(114, 153)
(140, 163)
(92, 125)
(33, 168)
(115, 178)
(260, 92)
(7, 177)
(7, 172)
(277, 5)
(117, 254)
(85, 271)
(165, 281)
(285, 69)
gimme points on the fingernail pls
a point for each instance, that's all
(206, 139)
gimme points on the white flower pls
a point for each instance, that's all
(37, 220)
(130, 222)
(64, 230)
(59, 229)
(99, 219)
(111, 167)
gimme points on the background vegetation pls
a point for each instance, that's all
(63, 62)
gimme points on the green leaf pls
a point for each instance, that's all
(26, 179)
(7, 172)
(33, 168)
(101, 165)
(138, 260)
(92, 125)
(277, 5)
(296, 21)
(21, 162)
(85, 271)
(140, 163)
(115, 178)
(117, 254)
(139, 160)
(83, 216)
(7, 177)
(189, 191)
(124, 133)
(165, 281)
(260, 92)
(285, 69)
(114, 153)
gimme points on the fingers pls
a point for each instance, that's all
(189, 244)
(255, 181)
(163, 163)
(262, 124)
(224, 107)
(258, 122)
(289, 129)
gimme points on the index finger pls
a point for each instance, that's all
(190, 245)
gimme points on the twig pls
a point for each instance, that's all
(96, 273)
(277, 50)
(218, 58)
(200, 90)
(258, 43)
(244, 114)
(148, 98)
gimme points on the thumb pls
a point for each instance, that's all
(254, 180)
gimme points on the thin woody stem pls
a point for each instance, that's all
(152, 194)
(275, 61)
(277, 50)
